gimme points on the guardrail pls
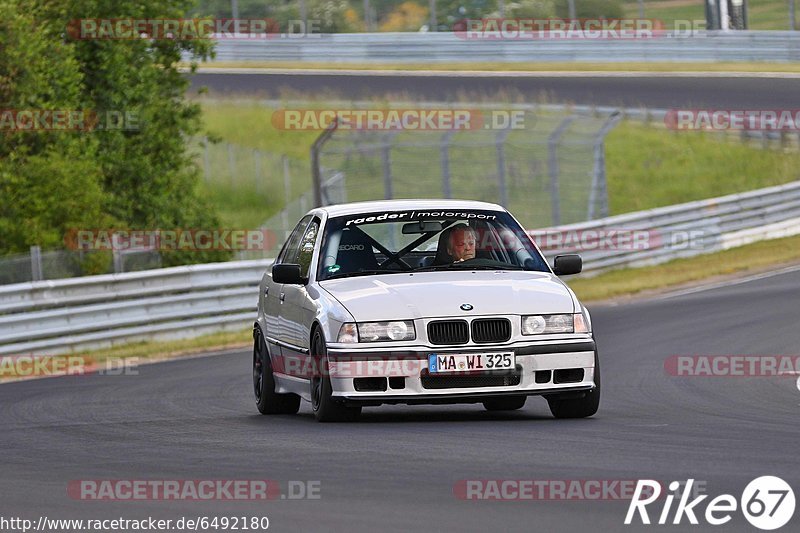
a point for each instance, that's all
(685, 230)
(445, 47)
(97, 311)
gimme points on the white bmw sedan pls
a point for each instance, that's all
(419, 302)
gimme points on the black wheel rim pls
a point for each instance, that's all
(316, 381)
(258, 369)
(316, 393)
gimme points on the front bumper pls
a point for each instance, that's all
(373, 376)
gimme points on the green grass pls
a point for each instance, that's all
(667, 10)
(754, 257)
(249, 123)
(652, 167)
(768, 15)
(648, 166)
(146, 351)
(762, 14)
(247, 190)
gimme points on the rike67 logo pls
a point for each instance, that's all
(767, 503)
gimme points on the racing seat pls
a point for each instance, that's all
(355, 252)
(442, 257)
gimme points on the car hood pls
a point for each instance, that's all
(440, 294)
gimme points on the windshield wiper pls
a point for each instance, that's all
(365, 273)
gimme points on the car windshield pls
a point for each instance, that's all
(427, 240)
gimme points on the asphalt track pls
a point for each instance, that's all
(630, 90)
(395, 469)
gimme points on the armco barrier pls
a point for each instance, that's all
(685, 230)
(447, 47)
(67, 315)
(98, 311)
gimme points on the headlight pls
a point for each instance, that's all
(543, 324)
(397, 330)
(348, 333)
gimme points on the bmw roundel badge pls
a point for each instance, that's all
(466, 307)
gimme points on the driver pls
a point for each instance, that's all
(461, 243)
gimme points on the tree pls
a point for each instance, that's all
(450, 12)
(531, 9)
(143, 179)
(610, 9)
(332, 16)
(49, 181)
(408, 16)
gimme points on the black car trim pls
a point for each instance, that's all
(287, 345)
(423, 352)
(465, 397)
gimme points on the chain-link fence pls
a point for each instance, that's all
(226, 168)
(274, 177)
(549, 172)
(39, 265)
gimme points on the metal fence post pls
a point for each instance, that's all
(286, 196)
(599, 189)
(231, 162)
(316, 172)
(206, 165)
(386, 160)
(116, 254)
(445, 159)
(553, 168)
(257, 164)
(36, 263)
(501, 165)
(287, 180)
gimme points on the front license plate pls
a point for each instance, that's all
(472, 362)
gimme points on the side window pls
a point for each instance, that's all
(291, 248)
(307, 247)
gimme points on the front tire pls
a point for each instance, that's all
(268, 401)
(578, 407)
(326, 408)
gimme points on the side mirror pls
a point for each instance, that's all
(567, 264)
(287, 273)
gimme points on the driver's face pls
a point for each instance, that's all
(462, 245)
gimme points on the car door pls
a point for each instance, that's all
(298, 308)
(274, 296)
